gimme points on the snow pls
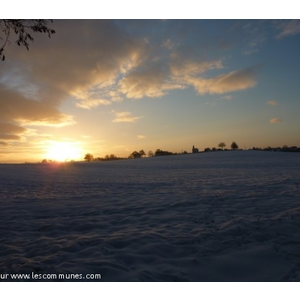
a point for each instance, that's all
(223, 216)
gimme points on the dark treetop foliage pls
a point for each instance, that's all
(23, 30)
(234, 146)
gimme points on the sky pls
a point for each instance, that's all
(118, 86)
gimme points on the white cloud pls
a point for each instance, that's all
(124, 117)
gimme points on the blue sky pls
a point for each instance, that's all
(116, 86)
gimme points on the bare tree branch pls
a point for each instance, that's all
(23, 28)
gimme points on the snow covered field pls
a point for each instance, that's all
(224, 216)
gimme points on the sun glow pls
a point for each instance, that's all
(64, 151)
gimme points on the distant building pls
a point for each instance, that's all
(195, 150)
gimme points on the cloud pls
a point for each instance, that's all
(155, 82)
(99, 62)
(83, 59)
(124, 116)
(232, 81)
(4, 136)
(288, 28)
(140, 136)
(90, 103)
(150, 83)
(17, 112)
(11, 127)
(14, 105)
(272, 102)
(3, 143)
(65, 120)
(275, 121)
(181, 68)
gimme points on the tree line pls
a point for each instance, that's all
(139, 154)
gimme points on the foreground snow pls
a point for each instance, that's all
(226, 216)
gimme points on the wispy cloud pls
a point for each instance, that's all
(272, 102)
(225, 83)
(275, 121)
(288, 28)
(140, 136)
(124, 117)
(4, 136)
(90, 103)
(151, 83)
(181, 68)
(64, 120)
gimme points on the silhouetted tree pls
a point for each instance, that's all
(142, 152)
(234, 146)
(222, 145)
(23, 30)
(150, 154)
(135, 154)
(160, 152)
(89, 157)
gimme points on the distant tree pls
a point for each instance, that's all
(234, 146)
(160, 152)
(142, 152)
(23, 30)
(222, 145)
(135, 154)
(88, 157)
(150, 154)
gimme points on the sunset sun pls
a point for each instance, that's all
(63, 151)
